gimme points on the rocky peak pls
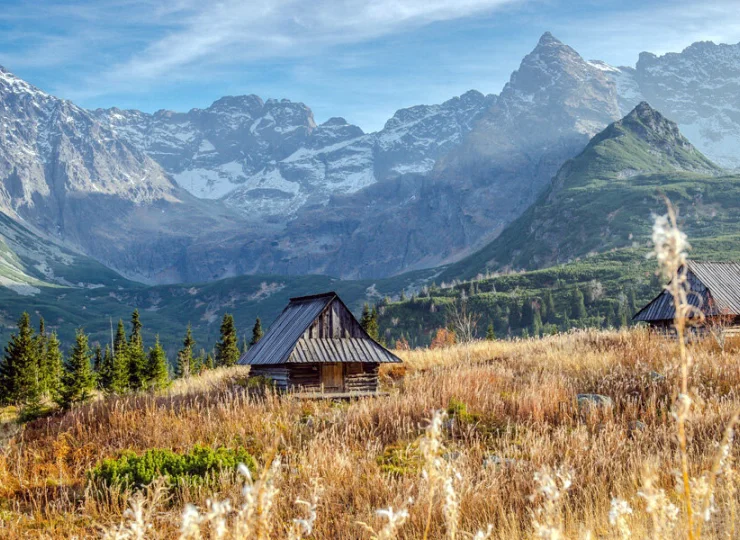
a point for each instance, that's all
(251, 104)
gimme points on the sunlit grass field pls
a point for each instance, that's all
(511, 414)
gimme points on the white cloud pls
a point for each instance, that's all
(232, 30)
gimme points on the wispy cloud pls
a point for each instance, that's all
(357, 58)
(184, 39)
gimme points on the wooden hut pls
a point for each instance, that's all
(317, 345)
(714, 288)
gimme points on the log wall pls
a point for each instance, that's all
(280, 375)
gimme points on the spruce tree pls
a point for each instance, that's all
(550, 312)
(183, 367)
(43, 369)
(55, 366)
(98, 362)
(527, 313)
(536, 324)
(515, 315)
(257, 333)
(157, 377)
(198, 364)
(19, 374)
(136, 355)
(631, 302)
(119, 376)
(78, 381)
(371, 324)
(209, 363)
(227, 348)
(578, 307)
(105, 373)
(490, 334)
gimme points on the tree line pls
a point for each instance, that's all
(35, 374)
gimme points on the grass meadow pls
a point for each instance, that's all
(512, 454)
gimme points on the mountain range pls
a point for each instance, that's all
(249, 186)
(258, 198)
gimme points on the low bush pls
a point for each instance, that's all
(202, 463)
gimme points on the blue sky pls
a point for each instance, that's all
(352, 58)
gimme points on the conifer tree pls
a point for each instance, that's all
(257, 333)
(550, 312)
(136, 355)
(372, 325)
(515, 315)
(578, 307)
(19, 374)
(119, 375)
(157, 377)
(536, 323)
(365, 319)
(78, 381)
(43, 370)
(631, 302)
(245, 345)
(490, 334)
(227, 348)
(105, 373)
(98, 361)
(198, 364)
(527, 313)
(209, 363)
(184, 365)
(54, 365)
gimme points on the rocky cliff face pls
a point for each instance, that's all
(253, 186)
(268, 159)
(697, 88)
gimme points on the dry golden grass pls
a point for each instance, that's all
(521, 415)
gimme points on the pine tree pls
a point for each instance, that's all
(137, 359)
(550, 311)
(257, 333)
(78, 380)
(227, 348)
(631, 303)
(365, 319)
(198, 364)
(527, 313)
(43, 370)
(119, 376)
(183, 367)
(157, 377)
(536, 324)
(371, 325)
(578, 307)
(19, 374)
(105, 374)
(623, 317)
(245, 345)
(209, 363)
(97, 361)
(515, 315)
(490, 334)
(55, 366)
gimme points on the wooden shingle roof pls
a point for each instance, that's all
(715, 289)
(285, 342)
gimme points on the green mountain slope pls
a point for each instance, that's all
(605, 198)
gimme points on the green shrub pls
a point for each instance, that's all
(199, 465)
(399, 459)
(458, 409)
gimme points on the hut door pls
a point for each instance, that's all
(331, 377)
